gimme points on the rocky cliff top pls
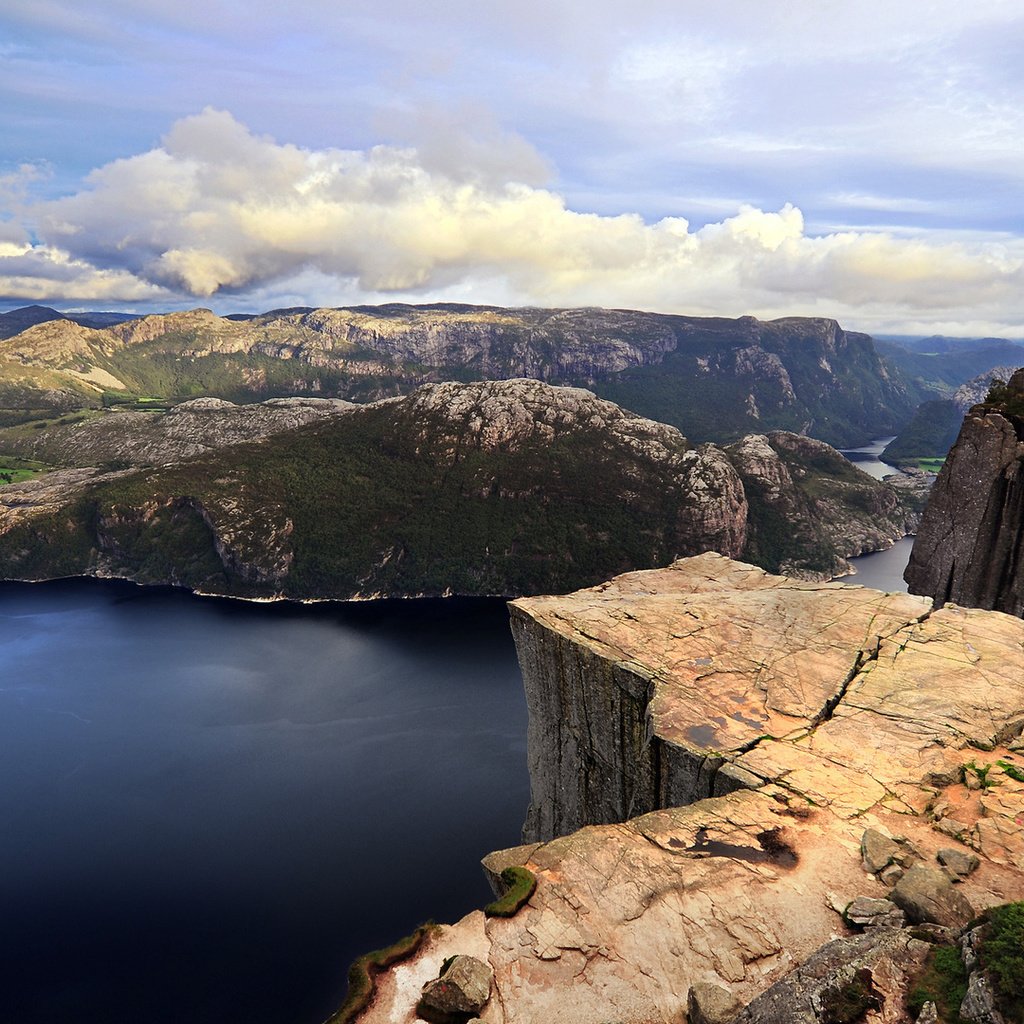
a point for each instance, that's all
(508, 413)
(847, 742)
(771, 656)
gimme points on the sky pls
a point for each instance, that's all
(856, 159)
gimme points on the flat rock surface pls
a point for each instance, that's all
(853, 709)
(734, 653)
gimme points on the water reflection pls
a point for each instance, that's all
(867, 458)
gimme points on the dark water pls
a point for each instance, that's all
(882, 570)
(208, 809)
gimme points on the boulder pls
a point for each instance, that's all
(843, 980)
(464, 987)
(865, 912)
(958, 862)
(927, 896)
(979, 1005)
(711, 1004)
(877, 851)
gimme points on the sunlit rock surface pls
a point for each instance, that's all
(817, 711)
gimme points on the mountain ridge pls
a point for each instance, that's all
(715, 378)
(494, 487)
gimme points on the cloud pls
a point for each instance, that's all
(219, 210)
(44, 274)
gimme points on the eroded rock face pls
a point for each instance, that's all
(968, 546)
(827, 711)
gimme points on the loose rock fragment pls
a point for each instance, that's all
(464, 988)
(866, 912)
(927, 895)
(877, 851)
(711, 1004)
(960, 863)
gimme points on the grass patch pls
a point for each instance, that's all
(521, 883)
(363, 973)
(982, 774)
(1002, 956)
(930, 465)
(14, 470)
(943, 982)
(1012, 770)
(125, 400)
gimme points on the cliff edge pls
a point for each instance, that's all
(968, 547)
(747, 768)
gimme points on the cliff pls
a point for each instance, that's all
(936, 423)
(968, 545)
(749, 771)
(713, 378)
(505, 487)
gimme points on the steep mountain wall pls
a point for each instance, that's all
(968, 547)
(714, 378)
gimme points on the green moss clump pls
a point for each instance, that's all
(362, 974)
(1011, 770)
(521, 883)
(943, 982)
(1002, 956)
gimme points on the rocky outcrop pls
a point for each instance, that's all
(933, 429)
(821, 713)
(192, 428)
(968, 547)
(811, 507)
(844, 981)
(498, 487)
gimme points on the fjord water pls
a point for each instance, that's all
(867, 458)
(208, 808)
(881, 570)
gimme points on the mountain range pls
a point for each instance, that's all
(715, 379)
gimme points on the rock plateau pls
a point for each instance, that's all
(722, 762)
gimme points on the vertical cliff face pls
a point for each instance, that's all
(622, 723)
(968, 547)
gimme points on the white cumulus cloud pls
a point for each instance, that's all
(218, 210)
